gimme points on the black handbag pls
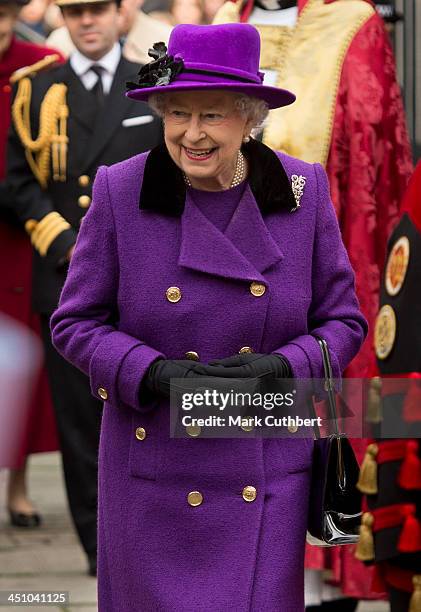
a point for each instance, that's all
(335, 502)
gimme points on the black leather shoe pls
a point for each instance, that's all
(92, 566)
(28, 521)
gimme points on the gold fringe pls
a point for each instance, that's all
(374, 401)
(365, 546)
(367, 481)
(415, 601)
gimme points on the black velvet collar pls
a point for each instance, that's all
(164, 191)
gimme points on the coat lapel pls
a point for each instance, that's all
(246, 249)
(243, 252)
(250, 235)
(114, 111)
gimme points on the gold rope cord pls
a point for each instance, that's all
(52, 137)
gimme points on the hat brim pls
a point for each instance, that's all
(273, 96)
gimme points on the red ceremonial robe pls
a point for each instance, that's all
(368, 167)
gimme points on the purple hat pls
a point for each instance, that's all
(208, 57)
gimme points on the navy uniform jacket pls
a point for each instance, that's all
(120, 129)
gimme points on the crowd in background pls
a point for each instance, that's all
(41, 17)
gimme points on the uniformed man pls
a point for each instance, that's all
(67, 121)
(391, 471)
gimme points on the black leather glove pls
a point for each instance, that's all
(158, 376)
(249, 365)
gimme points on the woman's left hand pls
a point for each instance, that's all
(249, 365)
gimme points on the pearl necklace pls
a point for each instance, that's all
(239, 173)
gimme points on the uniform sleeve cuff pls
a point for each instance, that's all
(117, 367)
(58, 249)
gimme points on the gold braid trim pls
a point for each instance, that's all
(52, 137)
(44, 232)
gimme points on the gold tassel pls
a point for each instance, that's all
(365, 546)
(415, 601)
(374, 401)
(367, 481)
(228, 13)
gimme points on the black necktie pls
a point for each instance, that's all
(98, 89)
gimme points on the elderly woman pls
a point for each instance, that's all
(210, 248)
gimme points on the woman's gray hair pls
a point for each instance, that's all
(254, 109)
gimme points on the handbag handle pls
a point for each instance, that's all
(329, 384)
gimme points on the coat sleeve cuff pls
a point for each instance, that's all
(297, 358)
(117, 367)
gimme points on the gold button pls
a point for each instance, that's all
(195, 498)
(140, 433)
(193, 430)
(102, 393)
(245, 349)
(249, 493)
(292, 428)
(84, 201)
(84, 180)
(257, 289)
(173, 294)
(246, 425)
(192, 355)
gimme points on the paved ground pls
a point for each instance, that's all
(49, 558)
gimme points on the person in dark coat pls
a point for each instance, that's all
(67, 121)
(211, 255)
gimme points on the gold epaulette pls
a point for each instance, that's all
(33, 69)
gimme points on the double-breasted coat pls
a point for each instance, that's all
(141, 236)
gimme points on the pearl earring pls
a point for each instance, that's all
(246, 139)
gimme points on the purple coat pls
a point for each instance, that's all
(156, 552)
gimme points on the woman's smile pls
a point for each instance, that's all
(199, 155)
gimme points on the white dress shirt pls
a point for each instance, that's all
(109, 62)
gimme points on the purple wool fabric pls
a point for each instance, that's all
(218, 206)
(155, 551)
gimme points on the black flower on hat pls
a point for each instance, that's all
(161, 71)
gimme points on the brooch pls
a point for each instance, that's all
(161, 71)
(297, 184)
